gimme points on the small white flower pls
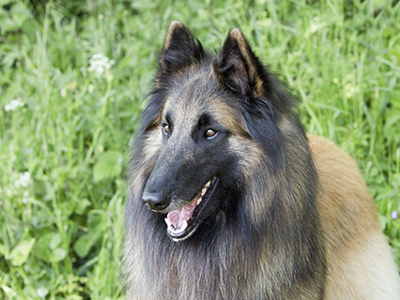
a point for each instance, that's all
(14, 104)
(64, 93)
(23, 180)
(42, 292)
(25, 197)
(99, 63)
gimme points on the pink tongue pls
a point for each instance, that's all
(177, 217)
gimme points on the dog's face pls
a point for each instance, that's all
(195, 161)
(193, 164)
(204, 126)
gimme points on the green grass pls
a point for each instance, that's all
(61, 236)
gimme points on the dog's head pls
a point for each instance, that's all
(208, 123)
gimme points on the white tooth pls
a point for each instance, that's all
(199, 200)
(208, 184)
(203, 191)
(178, 230)
(184, 225)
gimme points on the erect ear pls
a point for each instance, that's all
(180, 49)
(237, 67)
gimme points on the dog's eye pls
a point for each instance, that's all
(165, 129)
(210, 133)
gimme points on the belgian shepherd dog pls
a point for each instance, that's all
(230, 199)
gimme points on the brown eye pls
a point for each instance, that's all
(210, 133)
(165, 129)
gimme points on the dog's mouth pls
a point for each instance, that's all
(183, 222)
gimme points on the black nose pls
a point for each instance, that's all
(155, 201)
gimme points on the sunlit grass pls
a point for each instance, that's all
(61, 233)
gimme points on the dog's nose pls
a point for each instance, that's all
(155, 201)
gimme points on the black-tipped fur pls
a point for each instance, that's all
(259, 236)
(180, 51)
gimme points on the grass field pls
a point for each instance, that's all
(66, 124)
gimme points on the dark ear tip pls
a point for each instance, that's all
(176, 31)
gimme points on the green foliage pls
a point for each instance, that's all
(71, 128)
(20, 253)
(108, 166)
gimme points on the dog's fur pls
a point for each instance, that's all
(290, 216)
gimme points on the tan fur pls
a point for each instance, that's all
(291, 217)
(245, 49)
(360, 263)
(189, 110)
(174, 25)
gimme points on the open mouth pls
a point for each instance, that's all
(183, 222)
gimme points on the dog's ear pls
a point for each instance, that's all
(237, 67)
(180, 49)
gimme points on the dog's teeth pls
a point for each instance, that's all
(199, 200)
(208, 184)
(181, 228)
(203, 191)
(184, 225)
(176, 229)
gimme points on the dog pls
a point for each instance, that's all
(230, 199)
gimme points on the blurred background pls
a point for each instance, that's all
(72, 76)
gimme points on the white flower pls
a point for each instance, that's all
(42, 292)
(14, 104)
(99, 63)
(64, 93)
(23, 180)
(25, 198)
